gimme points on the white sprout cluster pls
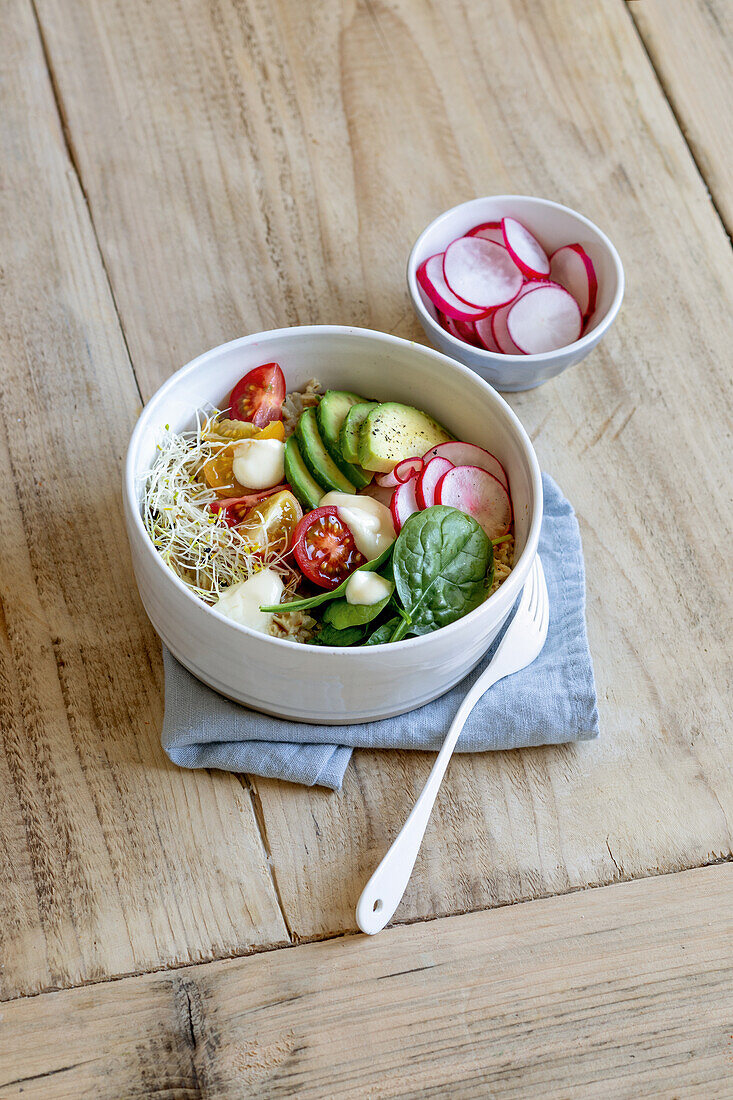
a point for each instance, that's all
(196, 543)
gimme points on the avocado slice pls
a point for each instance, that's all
(392, 432)
(308, 491)
(351, 427)
(319, 462)
(330, 415)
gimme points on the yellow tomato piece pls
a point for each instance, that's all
(274, 430)
(272, 522)
(219, 475)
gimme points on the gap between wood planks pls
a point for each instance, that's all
(663, 85)
(74, 162)
(303, 941)
(247, 782)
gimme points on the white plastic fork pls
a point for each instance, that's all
(520, 646)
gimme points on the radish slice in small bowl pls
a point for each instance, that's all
(546, 319)
(490, 231)
(572, 268)
(477, 493)
(481, 272)
(403, 504)
(468, 454)
(430, 277)
(526, 251)
(500, 332)
(486, 336)
(402, 472)
(432, 472)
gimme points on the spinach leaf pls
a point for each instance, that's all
(342, 614)
(443, 562)
(384, 632)
(334, 593)
(329, 635)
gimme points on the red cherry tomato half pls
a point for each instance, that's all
(324, 548)
(259, 396)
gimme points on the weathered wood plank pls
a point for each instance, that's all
(623, 992)
(690, 43)
(247, 165)
(111, 860)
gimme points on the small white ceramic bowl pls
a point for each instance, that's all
(553, 225)
(314, 683)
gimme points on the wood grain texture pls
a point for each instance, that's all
(258, 164)
(623, 992)
(690, 43)
(111, 860)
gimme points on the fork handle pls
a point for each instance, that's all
(383, 893)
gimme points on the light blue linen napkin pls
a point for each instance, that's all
(550, 702)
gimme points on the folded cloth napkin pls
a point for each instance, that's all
(550, 702)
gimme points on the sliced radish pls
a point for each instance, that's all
(546, 319)
(485, 335)
(402, 472)
(430, 277)
(526, 251)
(467, 331)
(431, 474)
(572, 268)
(500, 332)
(481, 272)
(403, 503)
(490, 231)
(477, 493)
(468, 454)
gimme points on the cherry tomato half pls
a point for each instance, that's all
(259, 396)
(324, 548)
(234, 509)
(273, 522)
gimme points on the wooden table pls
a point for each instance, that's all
(175, 175)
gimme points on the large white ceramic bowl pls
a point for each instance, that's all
(314, 683)
(553, 225)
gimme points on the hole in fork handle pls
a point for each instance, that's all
(377, 905)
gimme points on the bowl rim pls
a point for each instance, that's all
(511, 586)
(536, 358)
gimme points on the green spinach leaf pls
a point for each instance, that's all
(384, 632)
(342, 614)
(334, 593)
(329, 635)
(443, 567)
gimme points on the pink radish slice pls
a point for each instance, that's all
(500, 332)
(477, 493)
(572, 268)
(527, 252)
(429, 478)
(481, 272)
(403, 503)
(430, 277)
(485, 335)
(402, 472)
(546, 319)
(490, 231)
(467, 332)
(468, 454)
